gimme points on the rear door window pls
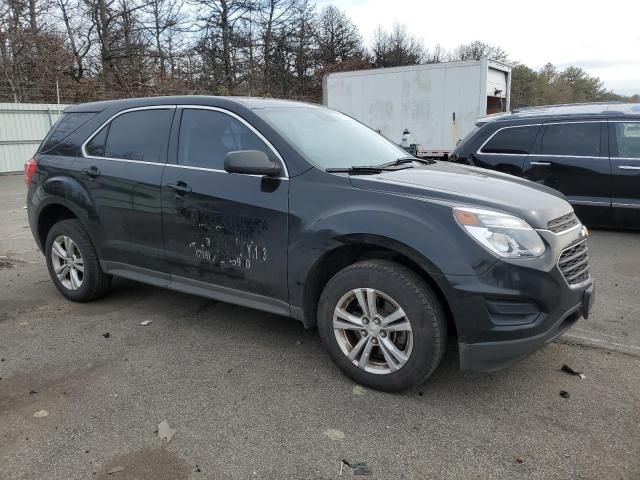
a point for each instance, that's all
(627, 136)
(571, 139)
(512, 140)
(138, 135)
(206, 136)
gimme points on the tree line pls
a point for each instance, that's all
(85, 50)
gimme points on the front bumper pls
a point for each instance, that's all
(490, 356)
(516, 307)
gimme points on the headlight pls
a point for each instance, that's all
(500, 233)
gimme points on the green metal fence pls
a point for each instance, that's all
(22, 128)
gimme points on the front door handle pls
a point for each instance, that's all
(91, 172)
(540, 164)
(628, 167)
(181, 188)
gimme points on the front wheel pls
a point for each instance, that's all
(382, 325)
(73, 262)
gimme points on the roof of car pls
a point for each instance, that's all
(247, 102)
(566, 110)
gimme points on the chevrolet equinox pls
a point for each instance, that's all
(299, 210)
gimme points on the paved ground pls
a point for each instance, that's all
(253, 395)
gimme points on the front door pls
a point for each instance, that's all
(224, 233)
(625, 166)
(573, 158)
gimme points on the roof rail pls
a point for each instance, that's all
(540, 107)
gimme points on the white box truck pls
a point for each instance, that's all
(437, 103)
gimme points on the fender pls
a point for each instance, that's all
(432, 241)
(71, 194)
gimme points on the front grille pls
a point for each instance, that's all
(563, 223)
(574, 264)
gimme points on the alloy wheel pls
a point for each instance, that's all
(67, 262)
(373, 331)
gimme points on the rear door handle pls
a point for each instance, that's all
(628, 167)
(91, 172)
(540, 164)
(181, 188)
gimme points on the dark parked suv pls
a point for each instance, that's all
(299, 210)
(589, 152)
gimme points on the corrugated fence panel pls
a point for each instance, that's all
(22, 127)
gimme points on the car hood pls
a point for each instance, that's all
(472, 186)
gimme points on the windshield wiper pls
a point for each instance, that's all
(368, 169)
(357, 170)
(407, 160)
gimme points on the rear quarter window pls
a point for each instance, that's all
(512, 140)
(64, 126)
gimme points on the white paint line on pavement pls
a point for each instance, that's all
(593, 332)
(613, 346)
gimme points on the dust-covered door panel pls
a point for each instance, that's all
(228, 230)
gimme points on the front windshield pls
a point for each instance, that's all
(329, 139)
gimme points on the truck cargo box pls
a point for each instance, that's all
(438, 103)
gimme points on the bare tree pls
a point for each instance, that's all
(477, 50)
(396, 48)
(337, 36)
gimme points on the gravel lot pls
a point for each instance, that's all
(253, 395)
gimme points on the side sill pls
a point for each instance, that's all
(196, 287)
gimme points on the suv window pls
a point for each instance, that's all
(65, 126)
(579, 139)
(627, 139)
(514, 140)
(207, 136)
(138, 135)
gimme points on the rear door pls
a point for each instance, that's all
(122, 169)
(624, 137)
(573, 157)
(224, 233)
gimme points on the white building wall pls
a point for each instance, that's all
(22, 127)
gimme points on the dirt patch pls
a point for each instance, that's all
(146, 464)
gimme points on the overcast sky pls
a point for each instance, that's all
(602, 37)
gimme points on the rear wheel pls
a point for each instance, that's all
(73, 262)
(382, 325)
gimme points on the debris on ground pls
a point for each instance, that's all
(519, 460)
(358, 390)
(564, 394)
(568, 369)
(32, 392)
(146, 322)
(41, 413)
(106, 335)
(165, 431)
(5, 262)
(115, 470)
(359, 468)
(333, 434)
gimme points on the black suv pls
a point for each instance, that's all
(589, 152)
(299, 210)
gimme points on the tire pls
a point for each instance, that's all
(85, 285)
(392, 285)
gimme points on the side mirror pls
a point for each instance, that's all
(251, 162)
